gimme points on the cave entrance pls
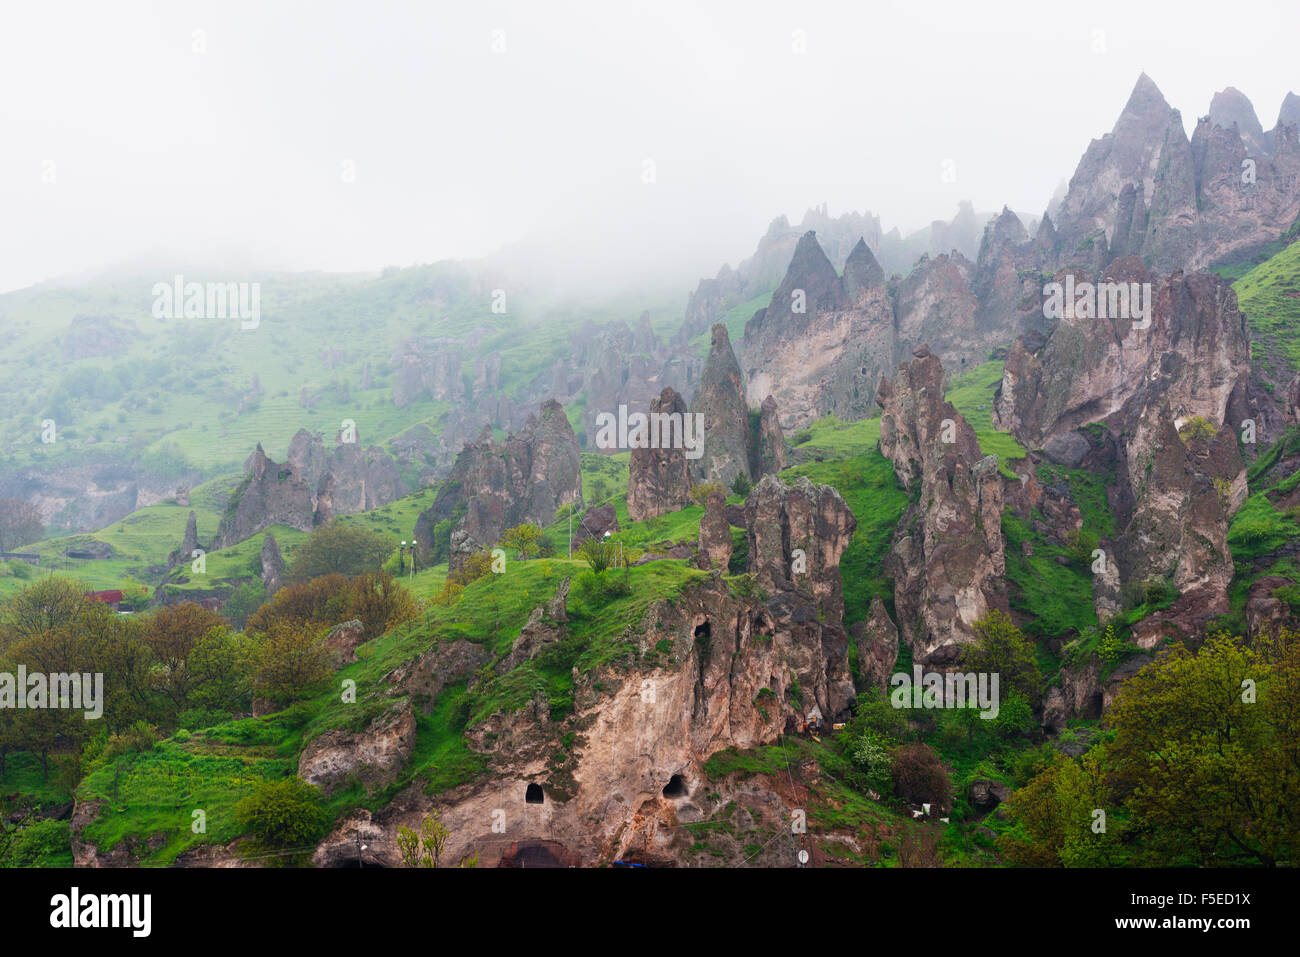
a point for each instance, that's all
(675, 788)
(534, 795)
(702, 631)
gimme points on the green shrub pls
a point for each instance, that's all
(283, 814)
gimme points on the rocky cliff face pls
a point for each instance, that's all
(347, 479)
(427, 369)
(525, 478)
(720, 399)
(622, 366)
(770, 454)
(823, 342)
(659, 480)
(742, 670)
(1189, 371)
(271, 494)
(310, 488)
(947, 558)
(1145, 189)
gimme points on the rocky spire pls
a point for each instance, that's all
(272, 565)
(1289, 115)
(720, 398)
(810, 282)
(1232, 107)
(188, 544)
(770, 453)
(659, 480)
(861, 271)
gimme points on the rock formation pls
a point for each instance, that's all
(1145, 189)
(273, 571)
(1190, 366)
(525, 478)
(427, 369)
(659, 480)
(188, 544)
(947, 558)
(715, 533)
(822, 343)
(270, 494)
(720, 399)
(770, 454)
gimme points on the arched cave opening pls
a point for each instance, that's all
(675, 788)
(702, 631)
(534, 795)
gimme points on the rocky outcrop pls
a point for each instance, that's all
(720, 399)
(347, 479)
(763, 271)
(374, 756)
(270, 494)
(659, 479)
(494, 487)
(546, 625)
(797, 534)
(595, 523)
(1195, 353)
(310, 488)
(424, 677)
(342, 641)
(1145, 189)
(629, 368)
(189, 543)
(770, 454)
(1173, 395)
(715, 533)
(821, 344)
(426, 369)
(947, 558)
(876, 639)
(935, 305)
(273, 571)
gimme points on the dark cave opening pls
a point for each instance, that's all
(534, 795)
(702, 631)
(675, 788)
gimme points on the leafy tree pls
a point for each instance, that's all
(1055, 815)
(239, 607)
(599, 554)
(1000, 647)
(741, 484)
(920, 777)
(289, 662)
(424, 848)
(218, 666)
(47, 603)
(1197, 427)
(340, 548)
(379, 602)
(20, 524)
(1206, 744)
(171, 633)
(522, 538)
(700, 493)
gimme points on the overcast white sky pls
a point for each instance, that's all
(233, 157)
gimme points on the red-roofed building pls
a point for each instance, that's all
(112, 597)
